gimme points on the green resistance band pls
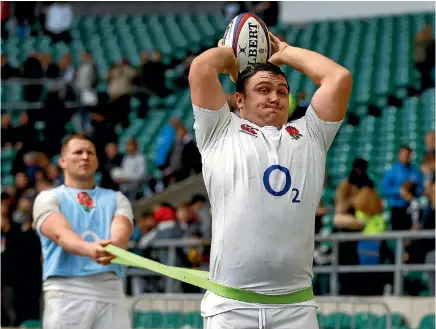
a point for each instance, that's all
(201, 279)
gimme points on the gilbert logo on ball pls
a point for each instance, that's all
(248, 36)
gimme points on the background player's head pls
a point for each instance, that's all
(79, 161)
(262, 95)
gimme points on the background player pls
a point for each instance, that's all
(264, 178)
(75, 221)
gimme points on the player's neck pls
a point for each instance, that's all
(79, 184)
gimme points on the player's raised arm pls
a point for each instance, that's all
(335, 82)
(206, 89)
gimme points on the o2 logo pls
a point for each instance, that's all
(286, 188)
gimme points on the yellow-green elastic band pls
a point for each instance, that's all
(201, 279)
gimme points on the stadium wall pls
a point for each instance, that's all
(303, 11)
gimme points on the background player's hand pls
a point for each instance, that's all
(98, 254)
(233, 68)
(277, 47)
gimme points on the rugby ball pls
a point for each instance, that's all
(248, 36)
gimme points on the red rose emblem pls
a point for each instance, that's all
(85, 201)
(294, 132)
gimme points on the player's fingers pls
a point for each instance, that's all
(104, 243)
(273, 38)
(105, 260)
(221, 43)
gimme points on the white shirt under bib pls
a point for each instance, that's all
(264, 185)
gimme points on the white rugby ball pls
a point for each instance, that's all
(248, 35)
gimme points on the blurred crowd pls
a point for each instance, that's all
(65, 93)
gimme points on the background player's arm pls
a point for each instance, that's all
(50, 222)
(206, 89)
(58, 229)
(122, 223)
(330, 101)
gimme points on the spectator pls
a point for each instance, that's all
(54, 175)
(164, 141)
(430, 141)
(51, 70)
(201, 210)
(27, 269)
(6, 14)
(120, 89)
(182, 81)
(300, 107)
(183, 158)
(7, 71)
(187, 223)
(231, 9)
(132, 173)
(26, 136)
(7, 132)
(32, 166)
(349, 188)
(31, 68)
(67, 73)
(424, 56)
(145, 72)
(58, 21)
(144, 233)
(268, 11)
(25, 18)
(112, 160)
(22, 186)
(396, 194)
(158, 73)
(86, 82)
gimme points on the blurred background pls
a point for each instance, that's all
(119, 72)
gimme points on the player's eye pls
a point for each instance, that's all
(263, 90)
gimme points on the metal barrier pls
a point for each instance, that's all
(333, 312)
(399, 268)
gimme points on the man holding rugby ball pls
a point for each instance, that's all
(264, 178)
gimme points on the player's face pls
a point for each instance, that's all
(79, 159)
(265, 100)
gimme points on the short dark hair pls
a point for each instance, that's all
(405, 147)
(252, 69)
(82, 137)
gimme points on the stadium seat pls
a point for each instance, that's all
(427, 322)
(31, 324)
(337, 321)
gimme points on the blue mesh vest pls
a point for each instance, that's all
(90, 214)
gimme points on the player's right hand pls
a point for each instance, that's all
(233, 67)
(98, 254)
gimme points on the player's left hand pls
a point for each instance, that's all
(103, 257)
(277, 47)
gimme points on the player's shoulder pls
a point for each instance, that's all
(49, 193)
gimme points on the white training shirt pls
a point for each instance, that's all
(103, 287)
(264, 185)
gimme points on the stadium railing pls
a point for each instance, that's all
(399, 268)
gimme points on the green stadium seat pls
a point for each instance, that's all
(337, 321)
(31, 324)
(427, 322)
(193, 319)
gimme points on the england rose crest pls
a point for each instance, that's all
(294, 132)
(85, 201)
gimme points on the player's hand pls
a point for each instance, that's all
(233, 67)
(98, 254)
(277, 48)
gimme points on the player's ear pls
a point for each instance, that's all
(61, 162)
(239, 97)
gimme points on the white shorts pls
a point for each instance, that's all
(298, 317)
(62, 311)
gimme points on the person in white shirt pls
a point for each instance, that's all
(59, 20)
(264, 178)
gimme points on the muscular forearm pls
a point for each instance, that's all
(216, 59)
(121, 231)
(316, 66)
(72, 242)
